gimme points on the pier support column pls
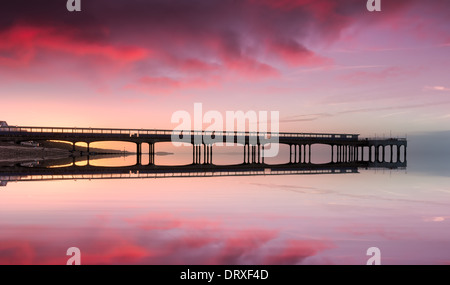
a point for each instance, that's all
(138, 153)
(151, 153)
(210, 155)
(248, 153)
(252, 153)
(262, 154)
(204, 153)
(258, 150)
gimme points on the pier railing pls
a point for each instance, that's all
(139, 132)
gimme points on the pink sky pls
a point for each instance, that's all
(326, 66)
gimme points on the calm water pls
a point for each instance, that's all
(303, 219)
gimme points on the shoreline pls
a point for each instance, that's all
(13, 153)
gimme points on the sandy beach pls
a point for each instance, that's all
(16, 153)
(13, 153)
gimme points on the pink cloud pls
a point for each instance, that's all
(166, 85)
(22, 44)
(362, 77)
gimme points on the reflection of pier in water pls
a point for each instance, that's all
(139, 171)
(348, 153)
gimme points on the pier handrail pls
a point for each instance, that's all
(117, 131)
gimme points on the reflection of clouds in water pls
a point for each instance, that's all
(297, 189)
(313, 190)
(435, 219)
(371, 230)
(162, 239)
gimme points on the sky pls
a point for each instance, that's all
(325, 65)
